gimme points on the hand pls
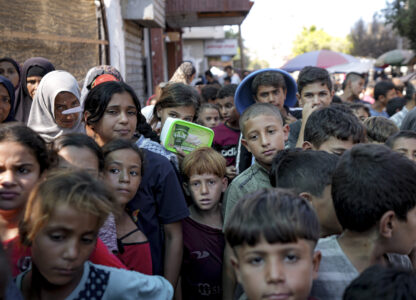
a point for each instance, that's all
(231, 172)
(308, 108)
(289, 119)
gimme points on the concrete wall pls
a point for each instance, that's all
(193, 50)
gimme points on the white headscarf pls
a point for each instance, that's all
(42, 113)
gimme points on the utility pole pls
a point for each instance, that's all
(240, 44)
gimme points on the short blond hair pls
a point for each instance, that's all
(204, 160)
(76, 189)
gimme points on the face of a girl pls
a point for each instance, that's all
(119, 120)
(123, 174)
(5, 103)
(61, 247)
(186, 113)
(209, 117)
(19, 172)
(9, 71)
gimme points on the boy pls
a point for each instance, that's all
(379, 129)
(273, 234)
(410, 98)
(205, 181)
(226, 135)
(209, 93)
(403, 142)
(373, 190)
(263, 135)
(314, 91)
(309, 175)
(333, 130)
(361, 111)
(383, 92)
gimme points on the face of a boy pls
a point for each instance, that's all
(209, 117)
(264, 136)
(62, 246)
(357, 87)
(317, 94)
(407, 147)
(276, 271)
(206, 190)
(227, 109)
(272, 95)
(403, 239)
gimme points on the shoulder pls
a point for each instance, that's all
(124, 284)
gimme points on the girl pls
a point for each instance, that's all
(10, 69)
(32, 72)
(112, 111)
(209, 115)
(60, 225)
(122, 174)
(177, 101)
(57, 92)
(6, 100)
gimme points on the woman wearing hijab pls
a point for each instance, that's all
(185, 73)
(6, 100)
(32, 72)
(57, 92)
(10, 69)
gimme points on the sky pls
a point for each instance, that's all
(272, 25)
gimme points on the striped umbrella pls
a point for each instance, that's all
(320, 58)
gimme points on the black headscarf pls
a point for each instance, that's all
(16, 66)
(23, 101)
(10, 88)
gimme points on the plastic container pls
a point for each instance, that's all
(184, 135)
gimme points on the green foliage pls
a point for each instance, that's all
(402, 14)
(373, 39)
(312, 39)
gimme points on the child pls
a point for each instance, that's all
(178, 101)
(209, 93)
(314, 91)
(227, 134)
(309, 175)
(403, 142)
(205, 181)
(61, 225)
(361, 111)
(273, 235)
(79, 151)
(378, 282)
(122, 174)
(379, 129)
(373, 192)
(209, 115)
(263, 135)
(332, 130)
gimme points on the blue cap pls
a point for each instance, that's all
(244, 97)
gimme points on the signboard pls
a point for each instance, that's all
(221, 47)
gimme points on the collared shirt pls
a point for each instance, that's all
(251, 180)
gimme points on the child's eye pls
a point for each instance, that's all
(252, 137)
(132, 113)
(256, 261)
(211, 182)
(114, 170)
(173, 115)
(195, 184)
(23, 170)
(111, 112)
(291, 258)
(271, 131)
(56, 237)
(87, 240)
(188, 119)
(134, 173)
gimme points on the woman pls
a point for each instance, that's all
(6, 100)
(10, 69)
(185, 73)
(32, 72)
(57, 92)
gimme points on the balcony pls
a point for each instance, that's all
(196, 13)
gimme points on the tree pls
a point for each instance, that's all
(312, 39)
(402, 15)
(373, 39)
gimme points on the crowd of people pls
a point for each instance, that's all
(304, 194)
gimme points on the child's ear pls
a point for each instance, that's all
(236, 266)
(307, 196)
(286, 130)
(316, 261)
(86, 115)
(224, 184)
(186, 189)
(307, 146)
(245, 144)
(387, 224)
